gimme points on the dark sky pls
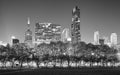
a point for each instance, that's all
(102, 15)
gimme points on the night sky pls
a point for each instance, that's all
(101, 15)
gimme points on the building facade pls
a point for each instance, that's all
(101, 41)
(47, 32)
(107, 41)
(65, 35)
(113, 39)
(28, 35)
(75, 27)
(96, 38)
(15, 41)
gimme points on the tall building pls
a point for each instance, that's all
(65, 35)
(96, 38)
(107, 41)
(101, 41)
(75, 27)
(15, 41)
(12, 37)
(47, 32)
(28, 35)
(113, 39)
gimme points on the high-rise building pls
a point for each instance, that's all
(28, 35)
(107, 41)
(15, 41)
(96, 38)
(113, 39)
(12, 37)
(47, 32)
(75, 27)
(65, 35)
(101, 41)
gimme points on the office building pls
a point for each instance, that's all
(65, 35)
(107, 41)
(113, 39)
(101, 41)
(28, 35)
(75, 27)
(47, 32)
(15, 41)
(96, 38)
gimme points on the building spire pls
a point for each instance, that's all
(28, 22)
(28, 34)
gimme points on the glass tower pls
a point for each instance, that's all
(75, 27)
(28, 35)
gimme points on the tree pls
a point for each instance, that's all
(22, 52)
(4, 55)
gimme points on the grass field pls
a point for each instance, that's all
(63, 71)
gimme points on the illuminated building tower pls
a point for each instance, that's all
(113, 39)
(65, 35)
(75, 27)
(47, 32)
(96, 38)
(28, 35)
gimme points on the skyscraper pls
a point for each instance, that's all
(47, 32)
(12, 37)
(96, 38)
(65, 35)
(107, 41)
(14, 40)
(28, 35)
(113, 39)
(101, 41)
(75, 27)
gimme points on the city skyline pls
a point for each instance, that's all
(94, 15)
